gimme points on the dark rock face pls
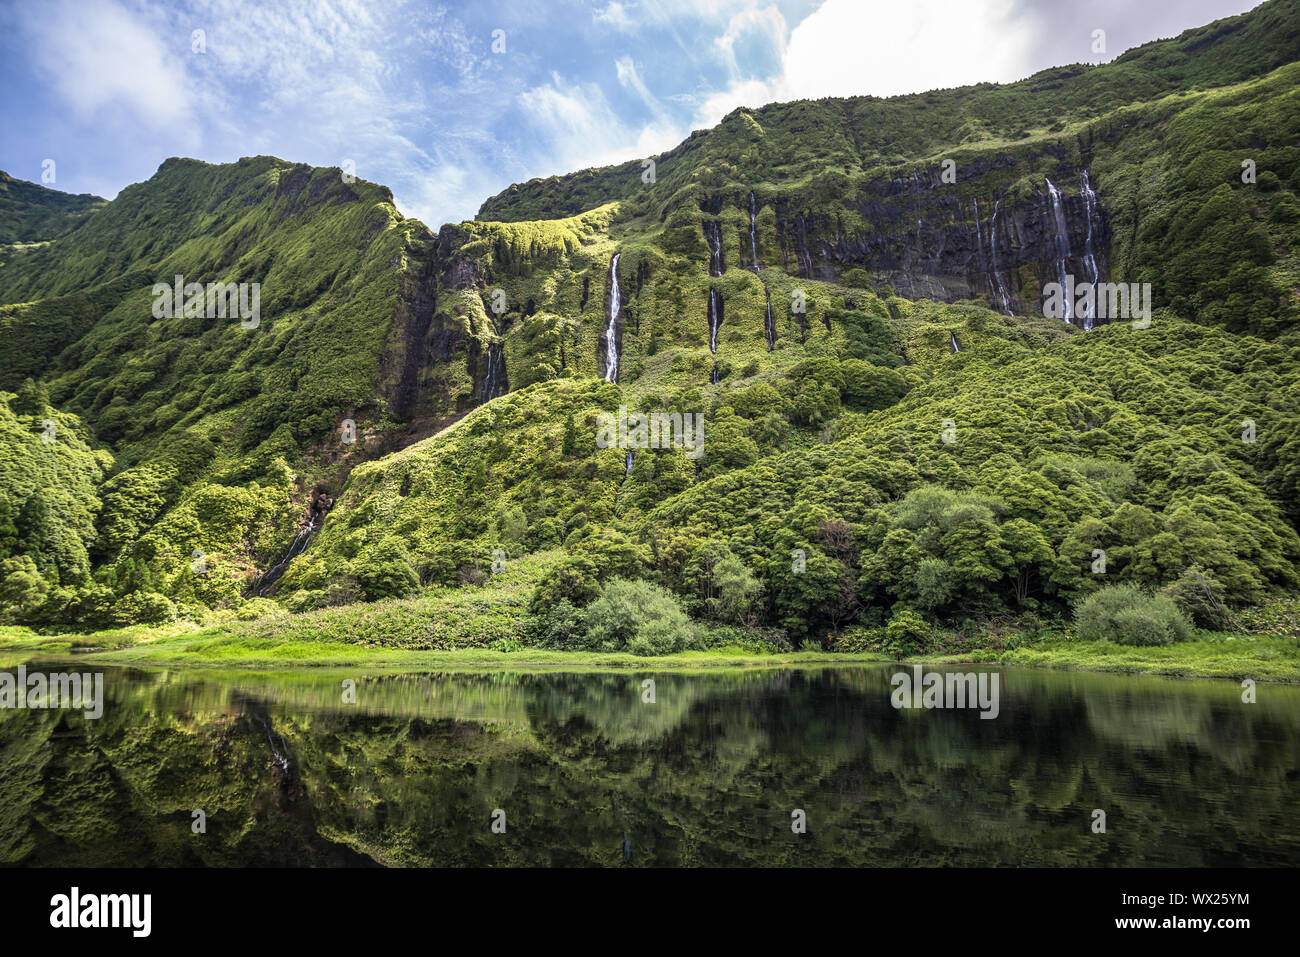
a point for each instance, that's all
(928, 239)
(427, 345)
(409, 347)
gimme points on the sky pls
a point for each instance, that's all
(448, 104)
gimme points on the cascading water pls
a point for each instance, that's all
(611, 331)
(715, 317)
(1089, 259)
(952, 341)
(1061, 237)
(296, 548)
(753, 240)
(492, 380)
(993, 260)
(769, 324)
(627, 464)
(713, 233)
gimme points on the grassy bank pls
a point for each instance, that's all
(1263, 658)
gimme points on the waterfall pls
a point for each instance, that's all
(713, 233)
(715, 319)
(1062, 243)
(802, 253)
(1089, 259)
(627, 464)
(753, 241)
(713, 376)
(492, 380)
(769, 324)
(299, 545)
(611, 331)
(952, 341)
(993, 257)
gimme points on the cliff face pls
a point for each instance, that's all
(922, 238)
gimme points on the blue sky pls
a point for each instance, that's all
(415, 96)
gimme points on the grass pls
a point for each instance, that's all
(1262, 658)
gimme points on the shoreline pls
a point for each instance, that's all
(1263, 659)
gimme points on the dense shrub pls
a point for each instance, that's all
(140, 607)
(639, 617)
(388, 575)
(1129, 616)
(907, 633)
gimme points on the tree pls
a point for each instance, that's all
(738, 591)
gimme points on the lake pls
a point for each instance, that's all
(717, 768)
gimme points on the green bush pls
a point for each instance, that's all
(1197, 595)
(639, 617)
(906, 634)
(389, 574)
(256, 608)
(145, 608)
(561, 626)
(1129, 616)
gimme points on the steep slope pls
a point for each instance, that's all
(33, 214)
(204, 407)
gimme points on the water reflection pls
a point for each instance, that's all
(588, 772)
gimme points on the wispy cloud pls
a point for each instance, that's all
(415, 96)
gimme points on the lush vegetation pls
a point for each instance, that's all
(882, 473)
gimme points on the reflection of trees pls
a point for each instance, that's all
(708, 774)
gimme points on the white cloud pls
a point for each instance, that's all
(856, 48)
(616, 15)
(98, 57)
(578, 128)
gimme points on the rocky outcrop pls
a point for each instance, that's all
(927, 239)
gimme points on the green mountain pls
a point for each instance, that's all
(34, 214)
(850, 292)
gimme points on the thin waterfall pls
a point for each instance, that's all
(993, 257)
(981, 261)
(952, 342)
(713, 234)
(627, 464)
(715, 318)
(769, 323)
(753, 240)
(492, 380)
(611, 331)
(1089, 259)
(279, 755)
(299, 545)
(1062, 243)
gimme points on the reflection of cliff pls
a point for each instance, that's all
(708, 774)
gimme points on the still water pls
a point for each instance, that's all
(584, 769)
